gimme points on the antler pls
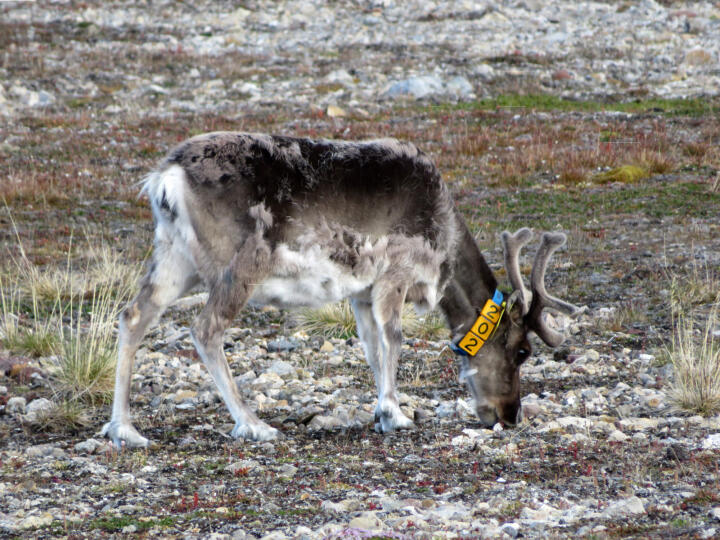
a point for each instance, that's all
(512, 244)
(541, 299)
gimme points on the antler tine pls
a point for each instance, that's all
(541, 299)
(512, 244)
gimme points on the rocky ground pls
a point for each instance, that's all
(93, 94)
(221, 56)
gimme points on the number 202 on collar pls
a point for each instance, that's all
(482, 329)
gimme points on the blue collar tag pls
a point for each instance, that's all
(457, 350)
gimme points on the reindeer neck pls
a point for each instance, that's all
(471, 285)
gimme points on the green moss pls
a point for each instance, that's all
(570, 207)
(116, 524)
(626, 174)
(544, 102)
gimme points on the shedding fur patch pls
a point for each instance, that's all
(263, 218)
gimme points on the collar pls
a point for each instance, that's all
(483, 328)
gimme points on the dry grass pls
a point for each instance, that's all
(699, 285)
(70, 313)
(337, 320)
(624, 316)
(331, 320)
(695, 356)
(26, 325)
(67, 415)
(87, 355)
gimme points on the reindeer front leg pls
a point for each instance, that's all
(388, 300)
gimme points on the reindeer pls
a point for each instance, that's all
(264, 219)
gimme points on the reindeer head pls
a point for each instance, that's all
(492, 374)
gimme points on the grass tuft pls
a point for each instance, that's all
(338, 321)
(700, 285)
(67, 415)
(430, 326)
(695, 356)
(70, 314)
(87, 354)
(329, 321)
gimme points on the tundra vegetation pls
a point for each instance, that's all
(642, 254)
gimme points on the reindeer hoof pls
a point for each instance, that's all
(255, 432)
(124, 434)
(391, 418)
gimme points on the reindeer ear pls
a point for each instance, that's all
(515, 306)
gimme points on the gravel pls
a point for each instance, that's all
(317, 404)
(355, 55)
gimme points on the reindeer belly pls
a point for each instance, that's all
(310, 277)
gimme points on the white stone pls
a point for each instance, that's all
(89, 446)
(625, 507)
(617, 436)
(36, 521)
(275, 535)
(302, 532)
(712, 442)
(37, 408)
(417, 87)
(16, 405)
(282, 368)
(287, 471)
(511, 529)
(459, 86)
(243, 465)
(367, 521)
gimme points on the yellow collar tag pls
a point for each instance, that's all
(485, 325)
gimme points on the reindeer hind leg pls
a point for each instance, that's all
(170, 275)
(227, 297)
